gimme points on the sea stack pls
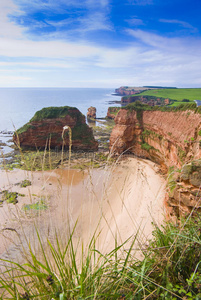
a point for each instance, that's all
(46, 127)
(91, 114)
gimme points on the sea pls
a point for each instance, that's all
(18, 105)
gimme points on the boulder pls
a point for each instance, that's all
(46, 129)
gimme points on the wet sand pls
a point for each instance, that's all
(117, 202)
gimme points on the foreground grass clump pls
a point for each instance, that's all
(170, 269)
(34, 160)
(176, 259)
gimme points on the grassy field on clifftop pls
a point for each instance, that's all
(175, 94)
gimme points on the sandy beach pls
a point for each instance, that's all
(116, 202)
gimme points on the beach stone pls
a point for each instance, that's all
(50, 127)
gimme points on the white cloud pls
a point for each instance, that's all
(180, 23)
(150, 59)
(152, 39)
(135, 21)
(51, 49)
(101, 3)
(7, 28)
(95, 21)
(140, 2)
(38, 65)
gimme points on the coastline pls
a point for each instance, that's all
(116, 202)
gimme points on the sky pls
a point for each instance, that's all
(100, 43)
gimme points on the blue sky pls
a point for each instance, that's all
(100, 43)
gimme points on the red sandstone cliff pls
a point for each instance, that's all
(170, 138)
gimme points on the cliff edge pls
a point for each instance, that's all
(170, 138)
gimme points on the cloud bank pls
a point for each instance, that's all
(86, 44)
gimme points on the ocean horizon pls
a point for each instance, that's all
(18, 105)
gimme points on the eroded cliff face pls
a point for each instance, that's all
(168, 138)
(184, 190)
(172, 139)
(46, 127)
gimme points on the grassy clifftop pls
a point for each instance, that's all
(53, 112)
(175, 94)
(181, 107)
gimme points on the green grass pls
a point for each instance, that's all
(171, 269)
(40, 205)
(175, 94)
(139, 107)
(178, 96)
(54, 112)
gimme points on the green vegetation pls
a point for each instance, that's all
(25, 183)
(93, 161)
(170, 269)
(54, 112)
(39, 205)
(175, 94)
(9, 197)
(146, 146)
(113, 110)
(182, 154)
(49, 160)
(34, 160)
(171, 180)
(140, 107)
(25, 128)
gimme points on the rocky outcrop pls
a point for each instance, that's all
(169, 138)
(46, 127)
(128, 90)
(185, 193)
(150, 100)
(91, 114)
(123, 90)
(112, 112)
